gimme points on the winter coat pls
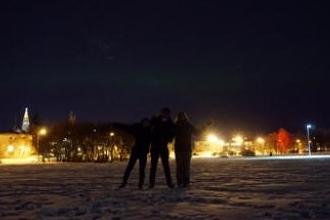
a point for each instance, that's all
(142, 136)
(183, 135)
(163, 130)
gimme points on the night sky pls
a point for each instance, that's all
(246, 65)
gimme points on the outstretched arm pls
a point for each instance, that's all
(196, 131)
(199, 131)
(125, 127)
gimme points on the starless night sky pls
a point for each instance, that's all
(246, 65)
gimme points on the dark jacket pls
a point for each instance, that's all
(163, 130)
(141, 134)
(183, 134)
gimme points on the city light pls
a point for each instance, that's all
(205, 154)
(212, 148)
(212, 138)
(10, 148)
(24, 160)
(238, 140)
(112, 134)
(309, 142)
(42, 132)
(221, 142)
(260, 140)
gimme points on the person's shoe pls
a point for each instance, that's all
(170, 185)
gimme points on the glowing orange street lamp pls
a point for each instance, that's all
(10, 149)
(238, 140)
(212, 138)
(215, 142)
(260, 140)
(41, 132)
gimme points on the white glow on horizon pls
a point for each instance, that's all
(205, 154)
(10, 148)
(260, 140)
(212, 138)
(25, 160)
(238, 140)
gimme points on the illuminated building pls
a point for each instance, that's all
(15, 145)
(209, 147)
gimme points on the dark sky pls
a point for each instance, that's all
(247, 65)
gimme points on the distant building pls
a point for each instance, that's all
(207, 148)
(72, 118)
(15, 145)
(18, 143)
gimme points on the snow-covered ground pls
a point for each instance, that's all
(221, 189)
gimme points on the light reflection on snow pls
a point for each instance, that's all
(25, 160)
(289, 157)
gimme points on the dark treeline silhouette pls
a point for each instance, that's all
(86, 142)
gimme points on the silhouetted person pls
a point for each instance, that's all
(140, 150)
(162, 134)
(184, 131)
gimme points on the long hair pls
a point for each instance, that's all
(182, 117)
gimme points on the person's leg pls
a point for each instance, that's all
(153, 168)
(177, 163)
(179, 166)
(187, 168)
(129, 168)
(165, 161)
(143, 162)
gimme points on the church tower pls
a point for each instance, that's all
(72, 118)
(26, 121)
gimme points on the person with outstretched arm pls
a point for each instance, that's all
(162, 134)
(140, 149)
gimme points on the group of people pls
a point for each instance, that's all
(153, 136)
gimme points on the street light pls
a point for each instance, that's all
(238, 140)
(215, 143)
(260, 140)
(10, 149)
(41, 132)
(309, 126)
(212, 138)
